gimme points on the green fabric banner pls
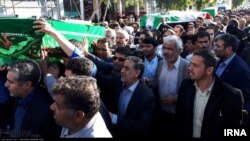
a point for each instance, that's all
(18, 39)
(74, 30)
(154, 20)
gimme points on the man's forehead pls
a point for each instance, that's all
(120, 55)
(196, 59)
(120, 34)
(202, 38)
(11, 75)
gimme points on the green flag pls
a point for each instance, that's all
(154, 20)
(18, 39)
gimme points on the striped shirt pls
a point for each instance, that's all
(168, 83)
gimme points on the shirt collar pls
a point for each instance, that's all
(177, 63)
(208, 92)
(133, 87)
(27, 100)
(155, 59)
(84, 131)
(229, 59)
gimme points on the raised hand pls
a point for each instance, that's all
(43, 26)
(85, 46)
(44, 61)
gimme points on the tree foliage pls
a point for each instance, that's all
(199, 4)
(183, 4)
(134, 3)
(236, 3)
(129, 2)
(173, 4)
(107, 1)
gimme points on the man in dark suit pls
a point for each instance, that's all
(206, 105)
(231, 68)
(32, 116)
(135, 102)
(245, 55)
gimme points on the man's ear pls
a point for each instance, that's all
(27, 84)
(210, 70)
(229, 49)
(79, 116)
(137, 72)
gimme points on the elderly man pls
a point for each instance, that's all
(169, 75)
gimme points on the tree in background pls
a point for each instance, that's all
(236, 3)
(183, 4)
(173, 4)
(199, 4)
(134, 3)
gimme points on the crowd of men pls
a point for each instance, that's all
(188, 80)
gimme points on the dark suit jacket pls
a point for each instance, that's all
(237, 74)
(245, 55)
(38, 120)
(104, 66)
(109, 84)
(137, 120)
(223, 109)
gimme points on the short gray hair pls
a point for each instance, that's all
(112, 32)
(174, 38)
(138, 64)
(124, 33)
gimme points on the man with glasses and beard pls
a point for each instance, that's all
(113, 78)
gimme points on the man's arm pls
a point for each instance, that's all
(43, 26)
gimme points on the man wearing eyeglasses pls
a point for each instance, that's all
(107, 71)
(113, 78)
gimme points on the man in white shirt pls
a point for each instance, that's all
(76, 106)
(205, 104)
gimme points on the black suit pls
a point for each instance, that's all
(245, 55)
(237, 74)
(38, 120)
(139, 112)
(137, 120)
(109, 84)
(223, 109)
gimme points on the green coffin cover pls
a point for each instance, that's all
(18, 39)
(154, 20)
(211, 10)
